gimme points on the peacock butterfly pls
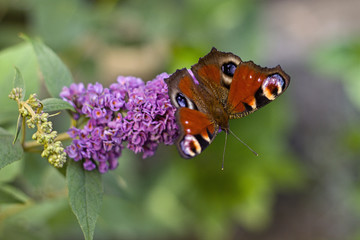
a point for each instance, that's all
(218, 88)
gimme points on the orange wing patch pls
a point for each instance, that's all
(186, 86)
(246, 82)
(211, 73)
(195, 122)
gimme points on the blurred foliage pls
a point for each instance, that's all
(162, 197)
(341, 60)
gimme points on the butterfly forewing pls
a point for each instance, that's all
(253, 87)
(208, 71)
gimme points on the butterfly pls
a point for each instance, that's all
(218, 88)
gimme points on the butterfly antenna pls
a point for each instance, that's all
(242, 142)
(222, 165)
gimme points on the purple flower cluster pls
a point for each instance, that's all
(128, 111)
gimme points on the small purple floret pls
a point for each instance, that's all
(128, 111)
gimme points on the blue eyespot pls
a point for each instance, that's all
(229, 68)
(278, 80)
(181, 100)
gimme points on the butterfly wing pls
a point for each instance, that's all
(208, 71)
(197, 128)
(197, 132)
(253, 87)
(242, 87)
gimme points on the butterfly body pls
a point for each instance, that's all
(218, 88)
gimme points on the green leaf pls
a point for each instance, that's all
(55, 104)
(85, 196)
(10, 172)
(56, 75)
(18, 127)
(23, 57)
(19, 82)
(9, 152)
(9, 194)
(8, 117)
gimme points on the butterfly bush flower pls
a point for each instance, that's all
(128, 114)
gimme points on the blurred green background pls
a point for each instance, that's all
(304, 184)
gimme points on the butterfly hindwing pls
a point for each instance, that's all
(197, 132)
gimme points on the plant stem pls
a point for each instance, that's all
(28, 146)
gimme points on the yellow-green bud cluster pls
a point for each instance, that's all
(31, 111)
(16, 94)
